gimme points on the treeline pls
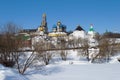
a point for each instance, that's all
(111, 35)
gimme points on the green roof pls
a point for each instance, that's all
(25, 37)
(91, 28)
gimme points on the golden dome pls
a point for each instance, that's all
(58, 23)
(41, 29)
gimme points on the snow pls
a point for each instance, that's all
(73, 69)
(79, 72)
(117, 40)
(10, 74)
(114, 59)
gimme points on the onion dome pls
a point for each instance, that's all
(58, 23)
(91, 32)
(64, 26)
(41, 28)
(91, 28)
(54, 26)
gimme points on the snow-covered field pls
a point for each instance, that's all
(67, 70)
(80, 72)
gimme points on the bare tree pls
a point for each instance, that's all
(9, 45)
(107, 46)
(83, 43)
(41, 48)
(64, 55)
(24, 61)
(63, 45)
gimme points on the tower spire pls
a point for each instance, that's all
(44, 22)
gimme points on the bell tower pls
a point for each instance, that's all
(44, 23)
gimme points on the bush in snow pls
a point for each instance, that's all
(9, 45)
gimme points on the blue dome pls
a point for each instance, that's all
(54, 26)
(64, 26)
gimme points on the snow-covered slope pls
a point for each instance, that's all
(10, 74)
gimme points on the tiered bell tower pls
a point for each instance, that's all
(44, 23)
(43, 27)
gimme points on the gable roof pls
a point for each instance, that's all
(79, 28)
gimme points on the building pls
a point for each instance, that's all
(58, 30)
(43, 29)
(79, 32)
(91, 32)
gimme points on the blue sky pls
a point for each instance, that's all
(103, 14)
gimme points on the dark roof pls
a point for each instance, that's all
(29, 30)
(79, 28)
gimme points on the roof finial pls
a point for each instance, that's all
(91, 25)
